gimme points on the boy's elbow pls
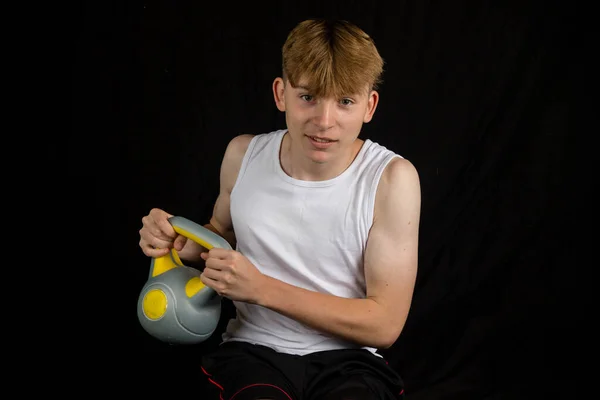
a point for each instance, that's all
(387, 337)
(388, 340)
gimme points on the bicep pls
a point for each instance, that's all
(221, 218)
(391, 256)
(230, 167)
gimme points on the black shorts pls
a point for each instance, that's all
(243, 371)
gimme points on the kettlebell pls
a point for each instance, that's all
(174, 305)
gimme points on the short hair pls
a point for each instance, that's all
(335, 58)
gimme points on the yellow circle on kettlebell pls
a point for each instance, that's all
(155, 304)
(193, 286)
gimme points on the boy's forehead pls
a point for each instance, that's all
(303, 84)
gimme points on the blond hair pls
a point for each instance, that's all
(334, 58)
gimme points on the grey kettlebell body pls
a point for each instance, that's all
(174, 306)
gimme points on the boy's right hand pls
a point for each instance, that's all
(157, 236)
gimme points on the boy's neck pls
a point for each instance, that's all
(295, 163)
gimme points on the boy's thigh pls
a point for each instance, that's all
(352, 374)
(354, 387)
(245, 372)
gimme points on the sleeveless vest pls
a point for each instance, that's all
(310, 234)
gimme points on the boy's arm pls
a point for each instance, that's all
(390, 271)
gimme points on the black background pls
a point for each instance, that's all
(480, 96)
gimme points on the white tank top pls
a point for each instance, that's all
(310, 234)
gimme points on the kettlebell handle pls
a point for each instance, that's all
(193, 231)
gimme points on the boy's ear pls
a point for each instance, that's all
(279, 93)
(371, 106)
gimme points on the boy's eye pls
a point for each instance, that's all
(306, 97)
(346, 102)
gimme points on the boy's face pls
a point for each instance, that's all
(326, 128)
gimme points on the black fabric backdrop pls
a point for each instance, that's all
(478, 95)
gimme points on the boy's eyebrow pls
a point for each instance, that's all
(307, 89)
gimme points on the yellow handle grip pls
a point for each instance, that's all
(190, 230)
